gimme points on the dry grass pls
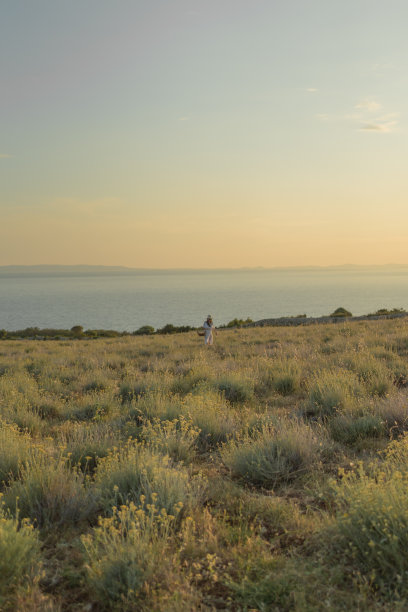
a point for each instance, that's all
(223, 478)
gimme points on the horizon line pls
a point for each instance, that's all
(179, 268)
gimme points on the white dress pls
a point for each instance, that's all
(208, 339)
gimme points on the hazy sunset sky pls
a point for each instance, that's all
(211, 133)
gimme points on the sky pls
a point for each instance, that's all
(192, 133)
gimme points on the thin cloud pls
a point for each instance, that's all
(5, 156)
(385, 127)
(369, 105)
(311, 89)
(365, 117)
(370, 120)
(184, 119)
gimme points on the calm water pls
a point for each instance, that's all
(126, 302)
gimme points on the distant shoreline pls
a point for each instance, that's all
(78, 333)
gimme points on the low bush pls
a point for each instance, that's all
(213, 416)
(373, 373)
(236, 390)
(145, 330)
(127, 556)
(370, 532)
(20, 557)
(135, 470)
(341, 312)
(15, 448)
(273, 456)
(175, 438)
(192, 382)
(330, 391)
(237, 322)
(129, 392)
(51, 494)
(86, 443)
(286, 377)
(348, 429)
(156, 405)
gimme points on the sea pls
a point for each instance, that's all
(126, 299)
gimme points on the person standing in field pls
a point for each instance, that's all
(209, 330)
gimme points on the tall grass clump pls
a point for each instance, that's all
(213, 416)
(176, 438)
(393, 411)
(193, 380)
(15, 447)
(370, 531)
(396, 364)
(155, 405)
(330, 391)
(129, 392)
(286, 377)
(20, 557)
(235, 389)
(274, 455)
(282, 376)
(51, 494)
(86, 443)
(350, 429)
(135, 470)
(373, 373)
(127, 556)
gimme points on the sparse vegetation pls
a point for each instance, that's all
(145, 472)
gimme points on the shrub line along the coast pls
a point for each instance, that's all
(78, 332)
(289, 321)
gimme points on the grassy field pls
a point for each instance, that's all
(268, 472)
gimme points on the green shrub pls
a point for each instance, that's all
(274, 455)
(262, 582)
(15, 448)
(20, 559)
(393, 411)
(396, 454)
(286, 377)
(238, 322)
(135, 470)
(341, 312)
(127, 555)
(129, 392)
(77, 331)
(331, 390)
(156, 405)
(95, 385)
(49, 410)
(387, 311)
(236, 390)
(193, 381)
(347, 429)
(213, 416)
(373, 373)
(50, 494)
(175, 438)
(85, 443)
(89, 410)
(145, 330)
(370, 532)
